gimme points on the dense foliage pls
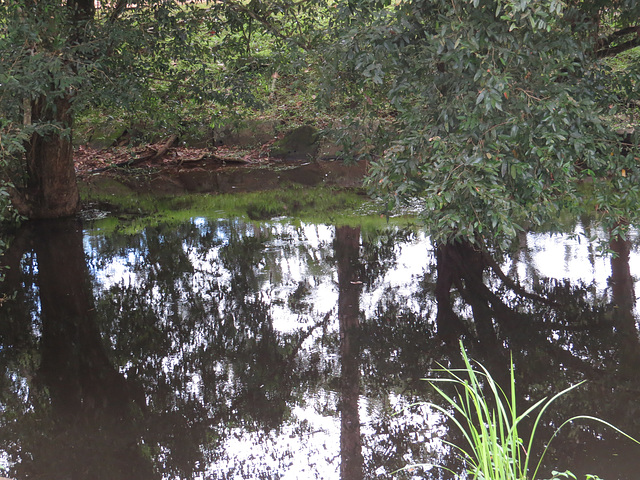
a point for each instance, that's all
(150, 56)
(156, 61)
(503, 110)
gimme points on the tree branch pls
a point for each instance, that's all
(603, 46)
(264, 21)
(515, 287)
(117, 10)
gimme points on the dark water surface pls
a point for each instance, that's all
(216, 349)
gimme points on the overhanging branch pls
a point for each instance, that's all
(608, 46)
(266, 23)
(117, 10)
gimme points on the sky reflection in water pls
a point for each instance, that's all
(220, 349)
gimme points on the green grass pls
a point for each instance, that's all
(320, 205)
(489, 420)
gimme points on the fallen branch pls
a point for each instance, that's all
(154, 157)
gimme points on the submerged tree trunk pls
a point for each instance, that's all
(51, 189)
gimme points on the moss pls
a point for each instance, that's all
(299, 144)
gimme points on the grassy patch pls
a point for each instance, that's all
(320, 205)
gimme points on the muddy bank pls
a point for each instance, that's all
(213, 177)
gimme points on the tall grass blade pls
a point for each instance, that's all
(488, 419)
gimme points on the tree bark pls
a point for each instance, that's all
(51, 189)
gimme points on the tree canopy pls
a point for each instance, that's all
(504, 110)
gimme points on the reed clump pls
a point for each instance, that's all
(489, 420)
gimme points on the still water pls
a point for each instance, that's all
(219, 349)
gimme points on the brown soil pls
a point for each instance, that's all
(196, 170)
(90, 161)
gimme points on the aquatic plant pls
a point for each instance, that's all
(489, 421)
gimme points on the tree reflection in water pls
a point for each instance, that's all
(347, 248)
(219, 349)
(77, 413)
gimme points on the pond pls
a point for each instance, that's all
(223, 349)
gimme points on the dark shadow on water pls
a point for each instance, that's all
(80, 413)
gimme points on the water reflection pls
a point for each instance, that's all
(347, 248)
(219, 349)
(67, 408)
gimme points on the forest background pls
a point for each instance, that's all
(493, 115)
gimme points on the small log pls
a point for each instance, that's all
(164, 149)
(154, 157)
(204, 156)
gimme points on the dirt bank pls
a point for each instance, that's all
(186, 171)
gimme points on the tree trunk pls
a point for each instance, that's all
(51, 189)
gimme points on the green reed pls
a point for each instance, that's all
(489, 420)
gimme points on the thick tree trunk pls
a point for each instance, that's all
(51, 189)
